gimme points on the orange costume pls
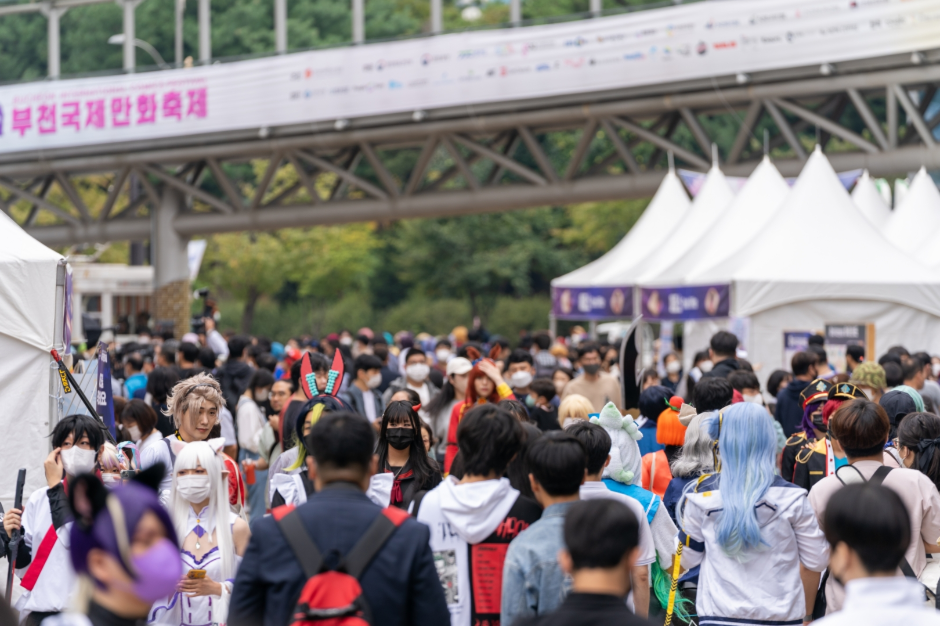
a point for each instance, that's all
(502, 392)
(656, 473)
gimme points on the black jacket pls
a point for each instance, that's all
(587, 609)
(401, 584)
(723, 368)
(789, 408)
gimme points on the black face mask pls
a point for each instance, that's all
(593, 368)
(400, 438)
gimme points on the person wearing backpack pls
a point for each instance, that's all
(861, 427)
(338, 558)
(473, 520)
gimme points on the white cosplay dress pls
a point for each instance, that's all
(183, 610)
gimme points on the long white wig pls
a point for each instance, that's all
(206, 455)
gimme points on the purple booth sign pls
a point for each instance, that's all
(592, 303)
(686, 303)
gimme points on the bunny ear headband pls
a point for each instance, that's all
(308, 380)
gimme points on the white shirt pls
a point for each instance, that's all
(877, 601)
(368, 402)
(227, 422)
(152, 439)
(56, 582)
(594, 490)
(251, 422)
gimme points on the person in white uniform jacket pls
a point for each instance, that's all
(755, 536)
(42, 562)
(869, 530)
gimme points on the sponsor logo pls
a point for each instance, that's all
(394, 84)
(471, 54)
(684, 50)
(701, 48)
(575, 63)
(730, 23)
(343, 89)
(505, 50)
(543, 67)
(724, 45)
(767, 18)
(610, 38)
(428, 59)
(419, 82)
(588, 302)
(768, 40)
(634, 56)
(385, 64)
(577, 42)
(538, 46)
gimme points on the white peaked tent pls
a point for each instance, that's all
(778, 282)
(31, 317)
(664, 212)
(869, 201)
(917, 218)
(748, 213)
(706, 211)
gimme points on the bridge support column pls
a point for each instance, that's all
(171, 265)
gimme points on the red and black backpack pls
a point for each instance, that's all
(334, 597)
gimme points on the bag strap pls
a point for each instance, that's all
(357, 560)
(305, 550)
(880, 474)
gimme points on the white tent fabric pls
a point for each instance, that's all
(917, 218)
(779, 266)
(748, 213)
(709, 205)
(27, 331)
(869, 201)
(665, 211)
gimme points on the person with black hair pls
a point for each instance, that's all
(542, 410)
(520, 370)
(653, 401)
(135, 381)
(187, 357)
(597, 386)
(207, 359)
(414, 378)
(868, 529)
(777, 382)
(601, 548)
(402, 454)
(854, 356)
(49, 580)
(533, 584)
(251, 421)
(472, 520)
(399, 584)
(789, 411)
(712, 394)
(363, 395)
(160, 383)
(140, 423)
(823, 369)
(918, 444)
(518, 470)
(545, 361)
(894, 375)
(235, 373)
(597, 443)
(861, 428)
(453, 392)
(723, 352)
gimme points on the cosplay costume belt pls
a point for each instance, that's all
(46, 576)
(814, 461)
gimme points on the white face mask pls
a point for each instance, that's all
(935, 369)
(78, 461)
(520, 380)
(134, 432)
(753, 399)
(111, 480)
(345, 341)
(673, 367)
(706, 366)
(261, 396)
(569, 421)
(442, 355)
(374, 381)
(194, 487)
(417, 372)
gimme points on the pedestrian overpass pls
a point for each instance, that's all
(466, 123)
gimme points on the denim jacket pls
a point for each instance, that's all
(533, 583)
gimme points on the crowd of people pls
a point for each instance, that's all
(462, 480)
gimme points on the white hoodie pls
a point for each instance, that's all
(460, 516)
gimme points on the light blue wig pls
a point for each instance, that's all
(747, 447)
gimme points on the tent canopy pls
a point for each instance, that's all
(28, 272)
(781, 264)
(761, 196)
(869, 201)
(917, 217)
(665, 210)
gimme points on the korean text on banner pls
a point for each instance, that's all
(592, 303)
(104, 401)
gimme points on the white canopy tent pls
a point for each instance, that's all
(32, 301)
(917, 218)
(869, 201)
(614, 270)
(779, 283)
(686, 238)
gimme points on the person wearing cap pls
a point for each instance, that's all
(898, 403)
(452, 393)
(670, 433)
(870, 378)
(812, 397)
(823, 457)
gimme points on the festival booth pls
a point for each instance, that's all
(916, 223)
(603, 289)
(869, 201)
(779, 282)
(34, 288)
